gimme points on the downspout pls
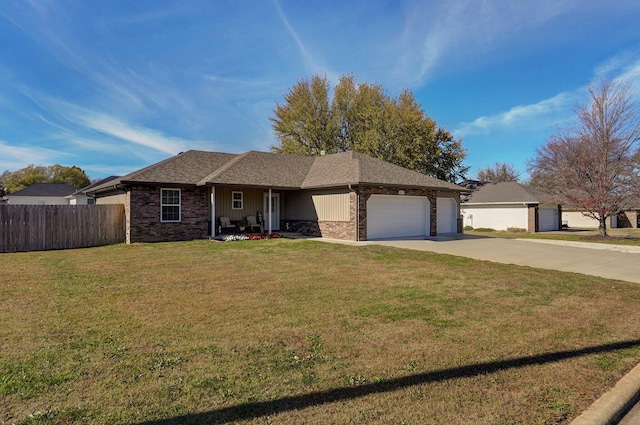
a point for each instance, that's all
(213, 211)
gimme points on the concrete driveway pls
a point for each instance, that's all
(591, 259)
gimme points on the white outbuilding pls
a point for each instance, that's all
(510, 205)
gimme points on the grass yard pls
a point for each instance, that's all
(303, 332)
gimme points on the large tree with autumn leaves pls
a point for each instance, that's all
(361, 117)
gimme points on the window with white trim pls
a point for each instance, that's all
(170, 205)
(236, 200)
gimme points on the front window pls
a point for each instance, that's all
(236, 199)
(170, 204)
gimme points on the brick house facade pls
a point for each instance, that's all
(205, 186)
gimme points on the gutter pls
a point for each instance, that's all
(104, 189)
(499, 203)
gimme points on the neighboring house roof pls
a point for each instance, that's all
(46, 189)
(282, 171)
(83, 191)
(507, 193)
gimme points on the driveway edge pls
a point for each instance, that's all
(613, 404)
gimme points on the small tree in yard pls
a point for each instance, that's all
(594, 165)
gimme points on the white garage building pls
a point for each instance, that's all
(510, 205)
(576, 219)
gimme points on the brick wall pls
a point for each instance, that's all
(143, 215)
(532, 219)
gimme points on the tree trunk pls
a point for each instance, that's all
(603, 226)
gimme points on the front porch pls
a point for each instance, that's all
(329, 213)
(232, 208)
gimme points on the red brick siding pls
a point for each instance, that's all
(532, 219)
(143, 215)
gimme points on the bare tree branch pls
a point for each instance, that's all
(594, 165)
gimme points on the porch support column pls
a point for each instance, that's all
(269, 206)
(213, 211)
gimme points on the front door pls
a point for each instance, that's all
(275, 211)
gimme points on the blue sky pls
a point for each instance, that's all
(112, 86)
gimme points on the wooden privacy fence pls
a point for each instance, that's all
(44, 227)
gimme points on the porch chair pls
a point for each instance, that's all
(225, 223)
(251, 219)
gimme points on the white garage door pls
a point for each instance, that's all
(447, 215)
(390, 216)
(547, 219)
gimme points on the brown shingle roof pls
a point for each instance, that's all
(507, 192)
(376, 171)
(338, 169)
(264, 169)
(357, 168)
(46, 189)
(185, 168)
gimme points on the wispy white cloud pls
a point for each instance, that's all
(555, 110)
(306, 55)
(118, 86)
(539, 115)
(466, 28)
(16, 157)
(623, 67)
(90, 145)
(93, 169)
(138, 135)
(238, 81)
(76, 124)
(311, 63)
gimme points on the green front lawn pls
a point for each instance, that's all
(291, 332)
